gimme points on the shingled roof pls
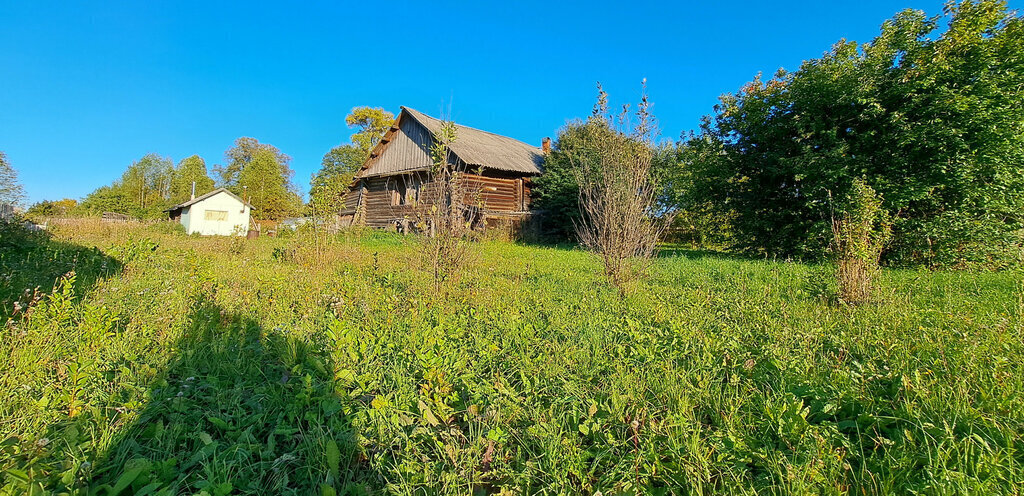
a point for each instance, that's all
(406, 147)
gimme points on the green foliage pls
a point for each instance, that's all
(194, 370)
(372, 123)
(267, 188)
(105, 199)
(31, 262)
(858, 237)
(11, 191)
(47, 208)
(190, 170)
(241, 154)
(147, 184)
(556, 193)
(617, 188)
(696, 220)
(143, 191)
(337, 169)
(340, 165)
(932, 120)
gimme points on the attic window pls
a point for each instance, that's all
(215, 215)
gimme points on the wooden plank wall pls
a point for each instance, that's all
(495, 196)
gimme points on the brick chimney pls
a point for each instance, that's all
(545, 145)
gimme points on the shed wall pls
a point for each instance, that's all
(195, 220)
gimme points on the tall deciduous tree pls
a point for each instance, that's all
(143, 191)
(243, 152)
(190, 170)
(11, 191)
(337, 169)
(266, 187)
(372, 122)
(147, 183)
(932, 120)
(340, 164)
(110, 198)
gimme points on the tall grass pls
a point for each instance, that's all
(195, 368)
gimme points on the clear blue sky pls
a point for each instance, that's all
(88, 87)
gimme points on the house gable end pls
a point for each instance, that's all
(404, 148)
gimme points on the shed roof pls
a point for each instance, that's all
(407, 147)
(208, 195)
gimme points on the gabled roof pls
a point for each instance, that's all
(407, 143)
(208, 195)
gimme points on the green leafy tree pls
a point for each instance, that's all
(262, 182)
(243, 152)
(372, 122)
(693, 219)
(11, 191)
(147, 185)
(106, 199)
(190, 170)
(143, 191)
(339, 166)
(337, 169)
(47, 208)
(931, 120)
(556, 193)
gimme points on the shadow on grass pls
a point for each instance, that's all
(31, 262)
(239, 409)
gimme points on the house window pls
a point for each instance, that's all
(216, 215)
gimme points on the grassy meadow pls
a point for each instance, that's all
(165, 364)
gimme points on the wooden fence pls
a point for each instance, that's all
(115, 217)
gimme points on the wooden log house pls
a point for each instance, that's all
(394, 188)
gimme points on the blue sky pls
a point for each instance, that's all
(88, 87)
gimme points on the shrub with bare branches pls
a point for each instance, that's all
(444, 247)
(617, 190)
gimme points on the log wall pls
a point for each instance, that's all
(381, 204)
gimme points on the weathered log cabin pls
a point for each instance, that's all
(394, 187)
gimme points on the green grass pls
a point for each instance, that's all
(180, 365)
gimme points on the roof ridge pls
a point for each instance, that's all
(414, 111)
(206, 195)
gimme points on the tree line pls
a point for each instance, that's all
(929, 121)
(259, 172)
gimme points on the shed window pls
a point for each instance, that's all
(216, 215)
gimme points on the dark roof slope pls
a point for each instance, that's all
(406, 148)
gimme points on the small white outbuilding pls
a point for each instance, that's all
(217, 213)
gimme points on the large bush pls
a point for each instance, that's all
(932, 119)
